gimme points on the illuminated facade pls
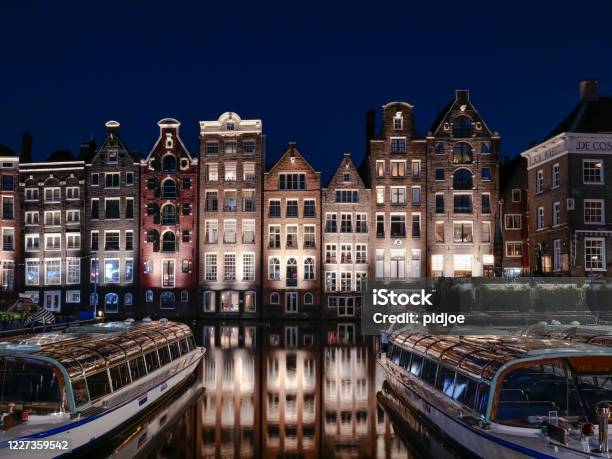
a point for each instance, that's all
(462, 191)
(230, 192)
(292, 238)
(168, 248)
(112, 224)
(11, 250)
(346, 224)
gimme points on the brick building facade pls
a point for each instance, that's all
(112, 224)
(292, 238)
(168, 218)
(10, 226)
(230, 190)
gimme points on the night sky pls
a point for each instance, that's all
(309, 71)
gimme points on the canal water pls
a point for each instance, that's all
(279, 390)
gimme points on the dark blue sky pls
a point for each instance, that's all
(309, 71)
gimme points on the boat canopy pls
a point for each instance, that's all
(88, 351)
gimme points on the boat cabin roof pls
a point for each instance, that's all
(600, 335)
(82, 350)
(482, 356)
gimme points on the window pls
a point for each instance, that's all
(292, 181)
(557, 255)
(152, 184)
(169, 189)
(73, 241)
(53, 301)
(539, 181)
(129, 178)
(462, 232)
(53, 271)
(111, 180)
(516, 195)
(347, 196)
(486, 203)
(292, 237)
(439, 231)
(416, 195)
(330, 253)
(416, 225)
(346, 223)
(398, 168)
(398, 225)
(309, 236)
(169, 163)
(380, 225)
(330, 223)
(149, 296)
(361, 223)
(439, 148)
(212, 147)
(462, 127)
(229, 231)
(111, 302)
(439, 203)
(230, 201)
(73, 216)
(397, 266)
(230, 172)
(380, 168)
(53, 217)
(556, 177)
(32, 271)
(398, 122)
(186, 266)
(111, 270)
(398, 144)
(230, 146)
(346, 253)
(462, 180)
(248, 231)
(94, 270)
(248, 266)
(309, 208)
(360, 281)
(346, 177)
(330, 281)
(32, 242)
(540, 218)
(594, 253)
(486, 232)
(416, 168)
(31, 194)
(514, 249)
(168, 269)
(8, 239)
(167, 300)
(439, 174)
(398, 195)
(73, 296)
(129, 240)
(274, 268)
(592, 171)
(462, 153)
(556, 215)
(211, 204)
(248, 147)
(485, 147)
(309, 268)
(169, 242)
(209, 301)
(73, 193)
(210, 265)
(291, 278)
(128, 299)
(248, 172)
(52, 195)
(462, 203)
(95, 238)
(292, 208)
(53, 241)
(8, 208)
(512, 221)
(594, 211)
(274, 240)
(485, 173)
(275, 208)
(380, 264)
(361, 253)
(212, 172)
(111, 208)
(31, 218)
(229, 266)
(8, 183)
(129, 270)
(346, 281)
(380, 195)
(73, 270)
(186, 208)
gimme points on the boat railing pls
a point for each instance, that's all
(47, 328)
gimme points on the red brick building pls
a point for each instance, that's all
(168, 241)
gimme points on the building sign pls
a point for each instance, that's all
(570, 144)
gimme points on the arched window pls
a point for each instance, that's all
(169, 215)
(149, 296)
(439, 148)
(169, 163)
(462, 179)
(309, 268)
(166, 300)
(462, 127)
(184, 296)
(274, 298)
(128, 299)
(111, 302)
(169, 242)
(292, 275)
(308, 298)
(274, 269)
(169, 189)
(462, 153)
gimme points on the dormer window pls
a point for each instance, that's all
(230, 126)
(112, 157)
(398, 121)
(346, 177)
(169, 141)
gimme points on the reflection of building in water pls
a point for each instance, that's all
(230, 408)
(291, 368)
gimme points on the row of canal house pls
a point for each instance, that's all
(219, 235)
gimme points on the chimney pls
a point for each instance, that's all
(588, 90)
(25, 153)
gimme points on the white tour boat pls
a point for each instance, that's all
(61, 391)
(505, 397)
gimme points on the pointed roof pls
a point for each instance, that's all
(589, 116)
(113, 139)
(292, 151)
(169, 123)
(462, 103)
(346, 164)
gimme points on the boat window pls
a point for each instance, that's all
(175, 351)
(164, 355)
(119, 376)
(137, 368)
(405, 359)
(396, 353)
(594, 389)
(446, 381)
(184, 346)
(98, 385)
(152, 361)
(430, 368)
(38, 385)
(482, 399)
(528, 394)
(465, 390)
(192, 344)
(79, 389)
(416, 364)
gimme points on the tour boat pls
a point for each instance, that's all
(61, 391)
(505, 397)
